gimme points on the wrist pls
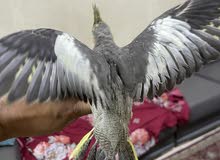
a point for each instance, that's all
(2, 133)
(3, 128)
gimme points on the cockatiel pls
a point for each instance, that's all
(48, 65)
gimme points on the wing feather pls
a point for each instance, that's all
(177, 44)
(8, 73)
(70, 83)
(33, 89)
(53, 82)
(44, 91)
(61, 78)
(46, 64)
(6, 57)
(20, 86)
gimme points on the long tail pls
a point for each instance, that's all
(96, 153)
(128, 153)
(80, 150)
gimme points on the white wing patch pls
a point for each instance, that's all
(76, 62)
(173, 51)
(70, 56)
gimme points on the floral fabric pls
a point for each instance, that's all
(148, 120)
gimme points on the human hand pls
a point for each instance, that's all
(20, 119)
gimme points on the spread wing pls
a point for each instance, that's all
(46, 64)
(176, 44)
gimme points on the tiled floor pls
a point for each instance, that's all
(211, 152)
(206, 147)
(210, 149)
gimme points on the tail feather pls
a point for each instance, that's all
(82, 147)
(101, 156)
(93, 152)
(96, 153)
(131, 147)
(128, 153)
(82, 152)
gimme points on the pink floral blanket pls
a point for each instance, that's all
(148, 120)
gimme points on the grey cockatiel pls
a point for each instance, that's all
(46, 65)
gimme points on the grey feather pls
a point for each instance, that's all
(92, 152)
(33, 89)
(126, 153)
(70, 83)
(90, 95)
(171, 22)
(204, 47)
(7, 76)
(101, 156)
(152, 72)
(162, 71)
(216, 22)
(212, 30)
(44, 91)
(186, 54)
(53, 82)
(98, 152)
(20, 85)
(210, 40)
(83, 150)
(188, 40)
(190, 47)
(6, 58)
(60, 94)
(138, 91)
(62, 90)
(180, 62)
(60, 74)
(171, 66)
(3, 49)
(78, 87)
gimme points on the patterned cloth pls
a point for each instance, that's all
(148, 120)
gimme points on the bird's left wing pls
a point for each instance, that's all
(175, 45)
(46, 64)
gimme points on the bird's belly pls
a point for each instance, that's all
(111, 131)
(111, 127)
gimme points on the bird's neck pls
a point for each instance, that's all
(104, 41)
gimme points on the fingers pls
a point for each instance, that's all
(3, 101)
(82, 108)
(70, 109)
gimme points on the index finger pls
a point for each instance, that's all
(3, 101)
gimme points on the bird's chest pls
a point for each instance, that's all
(112, 57)
(119, 110)
(118, 75)
(112, 123)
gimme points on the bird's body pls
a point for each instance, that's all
(49, 65)
(118, 113)
(113, 138)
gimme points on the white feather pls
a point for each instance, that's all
(75, 61)
(68, 54)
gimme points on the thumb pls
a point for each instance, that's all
(81, 108)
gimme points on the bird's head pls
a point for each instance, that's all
(97, 17)
(101, 30)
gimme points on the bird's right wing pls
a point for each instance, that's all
(176, 44)
(46, 64)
